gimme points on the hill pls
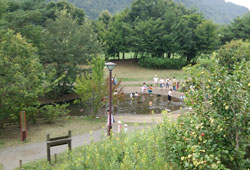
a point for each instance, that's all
(217, 10)
(94, 7)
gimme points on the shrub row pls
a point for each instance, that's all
(162, 63)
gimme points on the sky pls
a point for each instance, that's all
(245, 3)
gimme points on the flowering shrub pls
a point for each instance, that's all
(216, 135)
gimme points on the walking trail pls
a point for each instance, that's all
(10, 156)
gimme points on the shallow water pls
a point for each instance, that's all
(138, 105)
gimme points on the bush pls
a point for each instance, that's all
(216, 134)
(140, 150)
(162, 63)
(51, 112)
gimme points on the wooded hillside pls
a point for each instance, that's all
(217, 10)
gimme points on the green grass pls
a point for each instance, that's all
(37, 132)
(130, 71)
(1, 166)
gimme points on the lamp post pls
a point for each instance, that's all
(111, 67)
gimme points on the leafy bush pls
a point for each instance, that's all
(162, 63)
(216, 134)
(140, 150)
(233, 52)
(51, 112)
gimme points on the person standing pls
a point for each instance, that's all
(167, 83)
(155, 80)
(161, 83)
(174, 84)
(144, 88)
(170, 96)
(112, 120)
(150, 89)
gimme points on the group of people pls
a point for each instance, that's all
(147, 89)
(132, 95)
(165, 83)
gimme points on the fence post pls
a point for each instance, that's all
(48, 148)
(20, 164)
(55, 158)
(69, 135)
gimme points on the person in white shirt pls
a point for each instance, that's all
(136, 94)
(161, 83)
(170, 95)
(155, 80)
(112, 120)
(144, 88)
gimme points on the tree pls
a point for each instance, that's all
(91, 87)
(215, 134)
(67, 46)
(232, 53)
(21, 77)
(238, 29)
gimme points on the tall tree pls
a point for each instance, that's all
(68, 45)
(21, 77)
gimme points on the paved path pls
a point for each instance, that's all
(10, 156)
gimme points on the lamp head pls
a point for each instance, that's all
(110, 66)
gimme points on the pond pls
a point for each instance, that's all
(144, 104)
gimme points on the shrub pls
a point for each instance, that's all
(162, 63)
(51, 112)
(216, 134)
(140, 150)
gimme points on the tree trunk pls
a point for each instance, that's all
(123, 56)
(118, 55)
(169, 55)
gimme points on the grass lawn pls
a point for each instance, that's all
(37, 132)
(130, 71)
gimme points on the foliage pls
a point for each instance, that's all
(90, 87)
(140, 150)
(21, 77)
(68, 45)
(210, 9)
(238, 29)
(233, 52)
(51, 112)
(94, 90)
(94, 8)
(216, 134)
(162, 63)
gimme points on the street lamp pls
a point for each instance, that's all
(110, 66)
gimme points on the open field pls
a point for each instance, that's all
(130, 71)
(37, 132)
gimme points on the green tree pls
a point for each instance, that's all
(91, 87)
(232, 53)
(68, 45)
(21, 77)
